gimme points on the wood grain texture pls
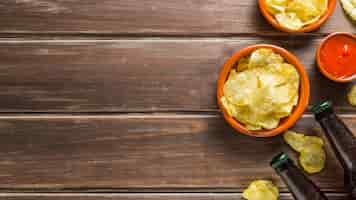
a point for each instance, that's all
(129, 152)
(143, 197)
(133, 75)
(143, 151)
(152, 17)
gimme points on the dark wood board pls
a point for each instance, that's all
(143, 197)
(143, 151)
(149, 17)
(145, 75)
(76, 74)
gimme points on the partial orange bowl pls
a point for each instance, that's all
(272, 20)
(285, 123)
(321, 65)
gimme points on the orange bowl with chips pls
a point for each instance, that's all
(308, 28)
(284, 123)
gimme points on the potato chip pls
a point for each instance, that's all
(275, 59)
(269, 78)
(258, 58)
(226, 105)
(312, 158)
(253, 127)
(304, 10)
(261, 190)
(312, 155)
(276, 6)
(351, 96)
(284, 110)
(350, 8)
(262, 90)
(262, 57)
(243, 64)
(298, 140)
(268, 122)
(289, 20)
(240, 85)
(288, 70)
(295, 14)
(295, 140)
(322, 6)
(283, 94)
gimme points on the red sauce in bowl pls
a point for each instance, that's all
(337, 56)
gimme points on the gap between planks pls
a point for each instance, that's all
(21, 35)
(129, 116)
(136, 194)
(222, 196)
(108, 39)
(135, 190)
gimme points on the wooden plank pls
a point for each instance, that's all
(133, 75)
(152, 17)
(144, 196)
(143, 151)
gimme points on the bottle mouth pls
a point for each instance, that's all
(279, 160)
(321, 107)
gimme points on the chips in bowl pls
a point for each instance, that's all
(261, 90)
(350, 8)
(296, 14)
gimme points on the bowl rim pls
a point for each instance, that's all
(320, 65)
(304, 91)
(271, 19)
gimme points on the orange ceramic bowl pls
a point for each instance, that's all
(322, 67)
(271, 19)
(285, 123)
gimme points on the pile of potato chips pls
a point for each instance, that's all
(261, 190)
(350, 8)
(261, 90)
(312, 155)
(295, 14)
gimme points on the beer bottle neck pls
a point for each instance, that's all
(301, 187)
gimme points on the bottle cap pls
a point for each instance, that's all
(279, 160)
(321, 107)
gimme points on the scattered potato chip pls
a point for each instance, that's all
(298, 140)
(350, 8)
(312, 158)
(295, 140)
(351, 96)
(261, 190)
(312, 155)
(295, 14)
(262, 90)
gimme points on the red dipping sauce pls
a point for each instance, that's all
(337, 57)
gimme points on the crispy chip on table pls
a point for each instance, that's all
(261, 190)
(312, 154)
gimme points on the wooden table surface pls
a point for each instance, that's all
(115, 99)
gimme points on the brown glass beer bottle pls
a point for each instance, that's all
(342, 141)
